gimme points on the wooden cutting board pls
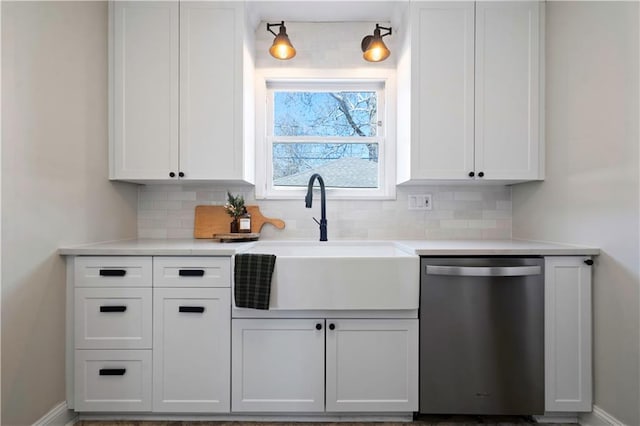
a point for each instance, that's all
(212, 220)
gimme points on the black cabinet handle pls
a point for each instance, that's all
(318, 326)
(181, 174)
(172, 174)
(113, 308)
(191, 272)
(332, 326)
(588, 262)
(113, 272)
(471, 174)
(112, 371)
(481, 174)
(191, 309)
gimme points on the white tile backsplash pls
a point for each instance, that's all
(459, 212)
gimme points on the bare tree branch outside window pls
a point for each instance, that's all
(325, 115)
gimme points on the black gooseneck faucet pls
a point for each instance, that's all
(323, 204)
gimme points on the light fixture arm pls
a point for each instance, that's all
(388, 29)
(281, 25)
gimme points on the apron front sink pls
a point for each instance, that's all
(342, 275)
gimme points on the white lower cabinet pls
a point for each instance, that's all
(372, 365)
(279, 365)
(568, 378)
(113, 380)
(191, 359)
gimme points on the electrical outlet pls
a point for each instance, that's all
(420, 202)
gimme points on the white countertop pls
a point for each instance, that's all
(496, 247)
(156, 247)
(182, 247)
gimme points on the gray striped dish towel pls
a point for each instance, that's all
(252, 280)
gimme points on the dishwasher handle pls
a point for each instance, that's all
(484, 271)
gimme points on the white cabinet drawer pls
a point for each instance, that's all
(113, 271)
(113, 318)
(191, 271)
(112, 380)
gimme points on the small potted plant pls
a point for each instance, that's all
(234, 208)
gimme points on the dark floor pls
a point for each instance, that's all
(421, 421)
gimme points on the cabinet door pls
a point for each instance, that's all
(191, 345)
(144, 77)
(567, 334)
(278, 365)
(507, 136)
(372, 365)
(443, 50)
(211, 35)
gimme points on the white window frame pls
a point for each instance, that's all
(382, 81)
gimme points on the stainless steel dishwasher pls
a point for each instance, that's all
(482, 336)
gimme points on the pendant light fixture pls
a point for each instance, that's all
(281, 47)
(373, 47)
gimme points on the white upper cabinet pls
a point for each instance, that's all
(179, 72)
(507, 90)
(211, 38)
(473, 97)
(144, 93)
(443, 68)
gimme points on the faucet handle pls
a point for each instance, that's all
(316, 221)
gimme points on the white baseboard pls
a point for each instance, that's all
(252, 417)
(557, 418)
(598, 417)
(60, 415)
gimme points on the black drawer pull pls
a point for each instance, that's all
(588, 262)
(113, 308)
(191, 309)
(191, 272)
(112, 272)
(112, 371)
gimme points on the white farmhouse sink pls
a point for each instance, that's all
(344, 275)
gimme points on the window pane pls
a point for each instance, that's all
(325, 113)
(341, 165)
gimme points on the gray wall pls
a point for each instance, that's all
(591, 192)
(55, 189)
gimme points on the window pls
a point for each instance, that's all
(336, 129)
